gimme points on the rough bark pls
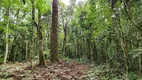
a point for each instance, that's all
(54, 32)
(32, 41)
(40, 44)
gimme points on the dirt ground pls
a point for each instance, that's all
(63, 70)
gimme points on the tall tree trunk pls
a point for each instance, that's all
(7, 26)
(54, 33)
(40, 45)
(32, 40)
(64, 23)
(31, 54)
(65, 39)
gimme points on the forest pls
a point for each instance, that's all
(70, 39)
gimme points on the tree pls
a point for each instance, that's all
(63, 16)
(32, 32)
(54, 32)
(7, 26)
(7, 6)
(40, 44)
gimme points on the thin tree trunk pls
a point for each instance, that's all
(65, 39)
(40, 45)
(31, 54)
(27, 50)
(7, 26)
(54, 33)
(65, 33)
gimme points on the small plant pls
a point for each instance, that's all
(1, 59)
(133, 76)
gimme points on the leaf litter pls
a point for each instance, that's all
(63, 70)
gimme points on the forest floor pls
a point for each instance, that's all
(63, 70)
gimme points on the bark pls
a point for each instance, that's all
(65, 39)
(54, 32)
(40, 45)
(7, 26)
(32, 41)
(26, 49)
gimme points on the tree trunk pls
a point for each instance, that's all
(54, 33)
(26, 49)
(65, 39)
(31, 54)
(40, 45)
(32, 40)
(64, 23)
(7, 26)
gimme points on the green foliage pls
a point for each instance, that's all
(133, 76)
(136, 53)
(43, 5)
(47, 54)
(1, 59)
